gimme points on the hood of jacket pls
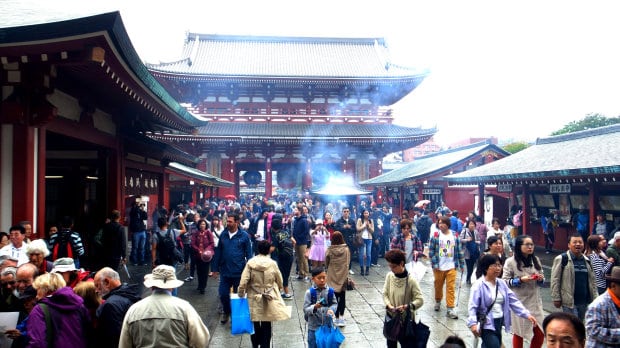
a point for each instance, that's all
(338, 250)
(64, 300)
(128, 291)
(260, 262)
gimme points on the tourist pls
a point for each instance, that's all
(446, 256)
(564, 330)
(603, 315)
(524, 275)
(601, 264)
(490, 303)
(365, 227)
(401, 293)
(337, 263)
(261, 281)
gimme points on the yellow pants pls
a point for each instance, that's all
(449, 278)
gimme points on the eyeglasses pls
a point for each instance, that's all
(499, 265)
(406, 228)
(529, 245)
(11, 282)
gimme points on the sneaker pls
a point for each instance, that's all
(547, 252)
(452, 313)
(189, 279)
(300, 278)
(340, 322)
(306, 279)
(287, 296)
(375, 265)
(223, 318)
(351, 272)
(437, 306)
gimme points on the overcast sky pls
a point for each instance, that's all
(515, 71)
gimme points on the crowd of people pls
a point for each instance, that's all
(254, 249)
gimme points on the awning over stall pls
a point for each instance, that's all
(194, 174)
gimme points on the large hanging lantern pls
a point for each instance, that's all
(252, 178)
(287, 179)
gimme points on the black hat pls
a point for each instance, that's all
(29, 292)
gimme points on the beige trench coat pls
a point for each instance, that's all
(261, 280)
(337, 261)
(529, 295)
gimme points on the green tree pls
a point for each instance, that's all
(516, 147)
(588, 122)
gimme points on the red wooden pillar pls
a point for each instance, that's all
(268, 178)
(480, 207)
(25, 176)
(38, 224)
(306, 182)
(592, 199)
(166, 185)
(525, 204)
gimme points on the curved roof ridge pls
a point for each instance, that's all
(154, 66)
(580, 134)
(278, 38)
(460, 148)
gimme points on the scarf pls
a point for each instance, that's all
(614, 298)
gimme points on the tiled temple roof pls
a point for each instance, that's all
(431, 164)
(270, 56)
(590, 153)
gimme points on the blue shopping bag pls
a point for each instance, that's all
(327, 335)
(241, 323)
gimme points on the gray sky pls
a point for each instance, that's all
(515, 70)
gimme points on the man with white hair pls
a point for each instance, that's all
(117, 298)
(161, 319)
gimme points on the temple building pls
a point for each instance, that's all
(289, 113)
(75, 105)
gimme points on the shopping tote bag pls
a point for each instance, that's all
(241, 323)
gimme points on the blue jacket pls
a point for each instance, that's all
(231, 255)
(301, 230)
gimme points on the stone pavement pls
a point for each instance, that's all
(364, 313)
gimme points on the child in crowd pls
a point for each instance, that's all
(319, 302)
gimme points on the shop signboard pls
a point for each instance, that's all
(559, 188)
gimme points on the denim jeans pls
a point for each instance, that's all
(137, 247)
(578, 310)
(493, 338)
(311, 339)
(365, 249)
(224, 290)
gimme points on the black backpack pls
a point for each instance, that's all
(285, 244)
(63, 246)
(169, 253)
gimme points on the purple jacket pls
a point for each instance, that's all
(70, 319)
(481, 296)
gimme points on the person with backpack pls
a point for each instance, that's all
(446, 256)
(283, 245)
(319, 302)
(423, 225)
(573, 285)
(67, 243)
(165, 249)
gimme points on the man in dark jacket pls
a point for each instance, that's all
(301, 234)
(258, 229)
(423, 225)
(117, 298)
(232, 253)
(113, 242)
(346, 226)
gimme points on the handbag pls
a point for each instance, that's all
(472, 248)
(358, 241)
(350, 284)
(392, 327)
(327, 335)
(206, 255)
(241, 323)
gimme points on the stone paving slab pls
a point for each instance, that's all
(364, 313)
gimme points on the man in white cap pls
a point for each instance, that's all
(161, 319)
